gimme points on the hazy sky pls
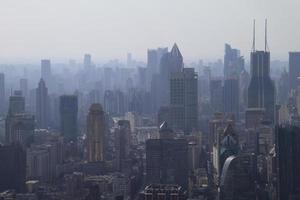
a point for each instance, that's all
(66, 29)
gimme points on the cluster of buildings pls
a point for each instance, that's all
(161, 130)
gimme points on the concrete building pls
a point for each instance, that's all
(95, 133)
(42, 105)
(184, 100)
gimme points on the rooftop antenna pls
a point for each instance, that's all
(253, 45)
(266, 36)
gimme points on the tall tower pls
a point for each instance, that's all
(184, 100)
(42, 105)
(46, 70)
(2, 93)
(261, 90)
(68, 107)
(294, 69)
(171, 62)
(95, 133)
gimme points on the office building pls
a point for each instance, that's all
(42, 105)
(170, 62)
(184, 100)
(16, 103)
(166, 160)
(231, 97)
(238, 178)
(233, 62)
(2, 94)
(261, 90)
(68, 107)
(46, 70)
(294, 69)
(24, 87)
(216, 95)
(288, 151)
(123, 141)
(95, 133)
(19, 128)
(12, 168)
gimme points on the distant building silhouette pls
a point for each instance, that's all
(294, 69)
(216, 96)
(233, 62)
(46, 71)
(42, 105)
(2, 94)
(232, 97)
(16, 103)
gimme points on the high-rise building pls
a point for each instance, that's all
(95, 133)
(42, 105)
(184, 100)
(19, 128)
(238, 178)
(216, 95)
(16, 103)
(24, 87)
(68, 107)
(166, 159)
(122, 139)
(231, 97)
(87, 61)
(2, 94)
(294, 69)
(233, 62)
(288, 150)
(46, 70)
(169, 63)
(153, 59)
(261, 90)
(12, 168)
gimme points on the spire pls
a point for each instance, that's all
(175, 51)
(266, 39)
(253, 44)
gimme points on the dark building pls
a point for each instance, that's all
(19, 128)
(238, 178)
(231, 97)
(166, 160)
(16, 103)
(169, 63)
(288, 151)
(12, 168)
(42, 105)
(2, 94)
(261, 90)
(184, 100)
(216, 95)
(294, 69)
(122, 143)
(24, 87)
(68, 107)
(153, 59)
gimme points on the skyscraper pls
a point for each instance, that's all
(46, 70)
(184, 100)
(166, 159)
(233, 62)
(288, 150)
(294, 69)
(24, 87)
(87, 61)
(216, 95)
(231, 97)
(261, 90)
(42, 105)
(16, 103)
(122, 137)
(2, 94)
(153, 59)
(95, 133)
(12, 168)
(68, 107)
(169, 63)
